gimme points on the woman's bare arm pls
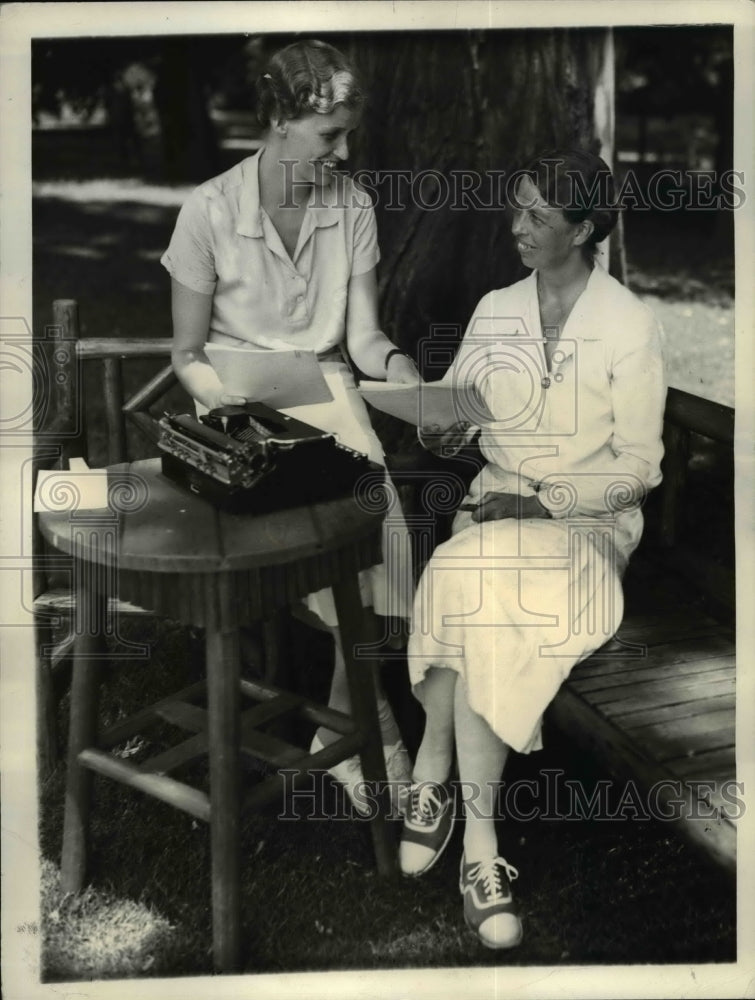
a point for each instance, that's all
(366, 342)
(191, 326)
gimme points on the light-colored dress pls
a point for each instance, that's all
(512, 605)
(225, 244)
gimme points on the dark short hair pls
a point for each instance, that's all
(581, 184)
(305, 77)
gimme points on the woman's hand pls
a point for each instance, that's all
(401, 368)
(448, 441)
(497, 506)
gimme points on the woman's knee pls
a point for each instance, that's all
(437, 693)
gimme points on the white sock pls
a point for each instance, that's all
(480, 841)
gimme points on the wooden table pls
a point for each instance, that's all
(165, 549)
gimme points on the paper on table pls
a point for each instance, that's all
(58, 491)
(278, 378)
(431, 403)
(338, 418)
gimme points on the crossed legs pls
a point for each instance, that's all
(484, 876)
(481, 757)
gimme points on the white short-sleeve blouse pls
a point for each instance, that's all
(225, 244)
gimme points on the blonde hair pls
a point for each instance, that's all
(306, 77)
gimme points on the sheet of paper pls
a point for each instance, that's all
(278, 378)
(338, 418)
(59, 491)
(430, 403)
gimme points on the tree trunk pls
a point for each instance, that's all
(189, 144)
(476, 102)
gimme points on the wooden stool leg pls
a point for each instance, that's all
(223, 685)
(355, 626)
(89, 651)
(47, 730)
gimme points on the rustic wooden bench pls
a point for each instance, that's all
(657, 704)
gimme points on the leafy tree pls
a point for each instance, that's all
(673, 71)
(157, 92)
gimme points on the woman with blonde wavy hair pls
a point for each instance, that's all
(281, 251)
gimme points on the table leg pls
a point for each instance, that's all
(223, 683)
(355, 627)
(89, 649)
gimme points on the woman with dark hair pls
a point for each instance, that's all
(281, 251)
(569, 362)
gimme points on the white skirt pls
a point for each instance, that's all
(513, 605)
(387, 587)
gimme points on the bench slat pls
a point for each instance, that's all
(679, 710)
(655, 629)
(698, 766)
(655, 695)
(667, 740)
(626, 757)
(681, 651)
(686, 669)
(667, 716)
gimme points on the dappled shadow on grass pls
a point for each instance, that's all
(684, 256)
(108, 260)
(105, 255)
(683, 286)
(96, 934)
(591, 891)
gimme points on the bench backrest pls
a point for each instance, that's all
(687, 415)
(698, 437)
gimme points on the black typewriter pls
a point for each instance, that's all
(252, 459)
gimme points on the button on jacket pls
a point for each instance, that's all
(587, 435)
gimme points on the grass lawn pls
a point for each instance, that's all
(708, 369)
(687, 279)
(591, 892)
